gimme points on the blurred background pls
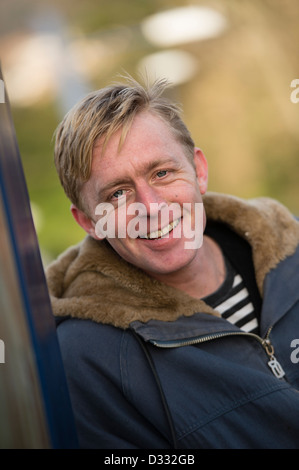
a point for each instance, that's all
(232, 64)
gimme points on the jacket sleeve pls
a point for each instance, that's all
(105, 417)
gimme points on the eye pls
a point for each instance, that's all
(162, 173)
(118, 194)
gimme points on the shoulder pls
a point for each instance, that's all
(104, 349)
(89, 344)
(79, 333)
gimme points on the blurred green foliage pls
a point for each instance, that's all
(55, 226)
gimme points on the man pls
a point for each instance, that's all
(170, 338)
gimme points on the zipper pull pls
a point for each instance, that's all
(274, 365)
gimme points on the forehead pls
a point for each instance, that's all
(148, 138)
(144, 127)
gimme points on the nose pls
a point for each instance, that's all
(150, 197)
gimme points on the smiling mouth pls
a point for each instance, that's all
(161, 233)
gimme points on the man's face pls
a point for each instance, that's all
(151, 170)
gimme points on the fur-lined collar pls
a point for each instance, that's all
(91, 281)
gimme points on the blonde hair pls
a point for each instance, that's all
(101, 114)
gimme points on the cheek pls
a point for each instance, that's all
(189, 193)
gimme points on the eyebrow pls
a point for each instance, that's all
(154, 164)
(127, 180)
(112, 184)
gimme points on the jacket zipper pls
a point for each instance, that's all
(273, 363)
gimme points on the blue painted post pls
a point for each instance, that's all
(35, 407)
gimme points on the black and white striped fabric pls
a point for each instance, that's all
(232, 301)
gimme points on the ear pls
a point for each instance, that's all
(84, 221)
(201, 169)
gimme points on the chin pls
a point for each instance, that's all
(168, 267)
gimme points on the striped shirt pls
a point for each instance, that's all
(232, 301)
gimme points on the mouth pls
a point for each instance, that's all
(161, 233)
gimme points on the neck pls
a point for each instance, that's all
(203, 275)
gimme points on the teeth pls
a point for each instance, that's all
(164, 231)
